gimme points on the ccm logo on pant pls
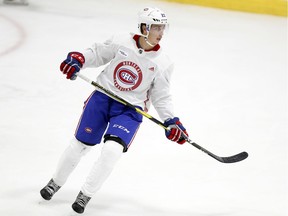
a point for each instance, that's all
(121, 127)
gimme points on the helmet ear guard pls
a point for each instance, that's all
(140, 26)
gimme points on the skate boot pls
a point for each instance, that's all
(49, 190)
(80, 203)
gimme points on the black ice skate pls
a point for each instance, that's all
(80, 203)
(49, 190)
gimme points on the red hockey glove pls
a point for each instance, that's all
(175, 134)
(72, 64)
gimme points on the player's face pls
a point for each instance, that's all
(156, 33)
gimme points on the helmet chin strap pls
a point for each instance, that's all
(147, 41)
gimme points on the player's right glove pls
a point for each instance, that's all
(175, 134)
(72, 64)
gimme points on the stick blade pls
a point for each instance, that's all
(233, 159)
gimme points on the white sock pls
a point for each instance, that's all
(110, 154)
(69, 160)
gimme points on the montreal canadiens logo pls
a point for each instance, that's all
(127, 76)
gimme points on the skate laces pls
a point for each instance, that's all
(82, 199)
(52, 187)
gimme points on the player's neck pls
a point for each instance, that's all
(144, 44)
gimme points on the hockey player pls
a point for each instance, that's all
(139, 72)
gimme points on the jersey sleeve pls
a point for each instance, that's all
(160, 94)
(100, 53)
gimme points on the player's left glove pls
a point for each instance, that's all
(72, 64)
(175, 134)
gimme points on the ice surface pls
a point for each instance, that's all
(229, 88)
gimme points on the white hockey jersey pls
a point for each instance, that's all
(140, 77)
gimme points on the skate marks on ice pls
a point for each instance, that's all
(115, 205)
(60, 204)
(26, 201)
(30, 203)
(110, 205)
(123, 206)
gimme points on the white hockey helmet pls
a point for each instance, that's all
(150, 16)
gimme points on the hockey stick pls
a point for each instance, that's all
(231, 159)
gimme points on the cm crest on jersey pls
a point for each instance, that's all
(127, 76)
